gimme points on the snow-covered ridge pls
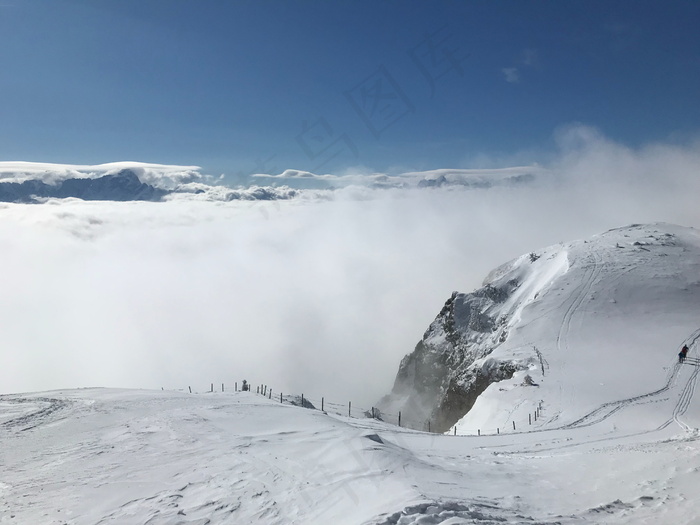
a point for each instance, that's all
(627, 296)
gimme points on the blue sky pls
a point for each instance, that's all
(262, 86)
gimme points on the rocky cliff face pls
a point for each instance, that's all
(438, 381)
(452, 365)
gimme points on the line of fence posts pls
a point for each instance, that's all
(373, 412)
(211, 387)
(265, 391)
(536, 414)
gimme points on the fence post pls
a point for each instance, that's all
(349, 408)
(399, 418)
(302, 401)
(498, 430)
(428, 425)
(222, 387)
(270, 394)
(280, 397)
(322, 410)
(478, 431)
(212, 387)
(257, 390)
(513, 425)
(190, 389)
(455, 430)
(529, 419)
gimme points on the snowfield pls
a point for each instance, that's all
(616, 439)
(99, 456)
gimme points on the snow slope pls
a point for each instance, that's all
(607, 315)
(99, 456)
(616, 440)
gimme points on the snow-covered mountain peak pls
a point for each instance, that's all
(621, 300)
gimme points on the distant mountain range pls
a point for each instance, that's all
(125, 185)
(122, 186)
(26, 182)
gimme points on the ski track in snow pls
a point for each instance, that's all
(603, 412)
(606, 410)
(44, 411)
(688, 390)
(577, 298)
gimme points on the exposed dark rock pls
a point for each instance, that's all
(462, 392)
(122, 186)
(438, 380)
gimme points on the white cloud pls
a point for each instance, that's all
(511, 74)
(411, 179)
(204, 192)
(530, 57)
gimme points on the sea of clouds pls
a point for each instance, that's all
(322, 292)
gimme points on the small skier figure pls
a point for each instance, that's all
(683, 353)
